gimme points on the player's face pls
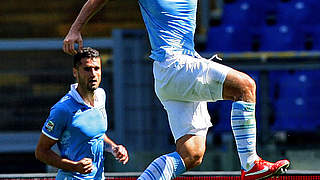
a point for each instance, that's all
(88, 74)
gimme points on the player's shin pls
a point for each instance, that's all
(244, 129)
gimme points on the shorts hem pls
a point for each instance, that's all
(196, 132)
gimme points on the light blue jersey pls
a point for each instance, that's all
(79, 129)
(171, 26)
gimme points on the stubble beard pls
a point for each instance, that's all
(91, 89)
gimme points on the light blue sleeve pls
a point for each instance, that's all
(56, 123)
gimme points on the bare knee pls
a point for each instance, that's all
(192, 159)
(195, 159)
(191, 149)
(239, 86)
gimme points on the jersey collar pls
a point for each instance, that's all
(75, 95)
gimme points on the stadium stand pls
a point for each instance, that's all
(52, 19)
(28, 86)
(295, 98)
(302, 11)
(229, 38)
(280, 38)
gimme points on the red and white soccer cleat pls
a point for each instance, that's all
(263, 169)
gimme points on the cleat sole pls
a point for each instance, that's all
(280, 171)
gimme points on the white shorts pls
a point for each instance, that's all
(184, 84)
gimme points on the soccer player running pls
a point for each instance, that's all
(184, 83)
(78, 123)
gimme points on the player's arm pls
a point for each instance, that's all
(44, 153)
(118, 151)
(74, 34)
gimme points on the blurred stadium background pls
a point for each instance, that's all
(277, 42)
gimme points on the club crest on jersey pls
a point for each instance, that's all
(50, 126)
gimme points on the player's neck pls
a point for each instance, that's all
(87, 96)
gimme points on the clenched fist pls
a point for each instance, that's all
(84, 166)
(120, 153)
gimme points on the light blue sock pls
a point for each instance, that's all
(243, 124)
(165, 167)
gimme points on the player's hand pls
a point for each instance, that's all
(120, 153)
(84, 166)
(70, 40)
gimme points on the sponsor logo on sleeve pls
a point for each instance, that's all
(50, 126)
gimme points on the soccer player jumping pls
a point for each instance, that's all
(184, 83)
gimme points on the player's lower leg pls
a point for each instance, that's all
(244, 128)
(240, 88)
(165, 167)
(243, 124)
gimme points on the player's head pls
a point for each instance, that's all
(87, 69)
(86, 52)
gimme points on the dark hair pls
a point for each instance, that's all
(86, 52)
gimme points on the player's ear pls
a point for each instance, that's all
(74, 72)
